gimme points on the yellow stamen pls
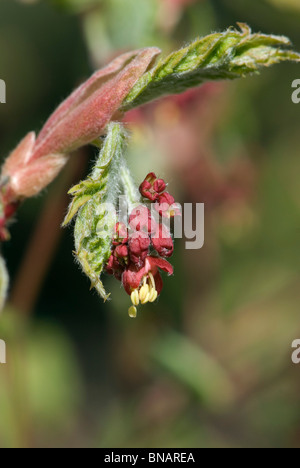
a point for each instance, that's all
(132, 312)
(144, 294)
(153, 295)
(135, 297)
(152, 280)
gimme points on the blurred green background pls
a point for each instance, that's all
(210, 364)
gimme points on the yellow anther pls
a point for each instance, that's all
(135, 297)
(132, 312)
(153, 295)
(144, 294)
(152, 280)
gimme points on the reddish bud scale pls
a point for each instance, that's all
(4, 234)
(78, 121)
(10, 209)
(8, 212)
(84, 116)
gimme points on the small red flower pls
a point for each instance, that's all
(121, 254)
(141, 220)
(114, 268)
(159, 186)
(120, 235)
(166, 206)
(163, 242)
(139, 244)
(133, 278)
(152, 187)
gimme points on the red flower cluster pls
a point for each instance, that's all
(139, 249)
(154, 190)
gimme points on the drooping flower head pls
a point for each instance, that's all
(139, 250)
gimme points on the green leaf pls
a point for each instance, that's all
(95, 220)
(228, 55)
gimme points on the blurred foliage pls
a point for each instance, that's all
(209, 365)
(40, 386)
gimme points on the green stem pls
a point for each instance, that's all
(131, 191)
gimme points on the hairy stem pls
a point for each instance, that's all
(131, 191)
(94, 203)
